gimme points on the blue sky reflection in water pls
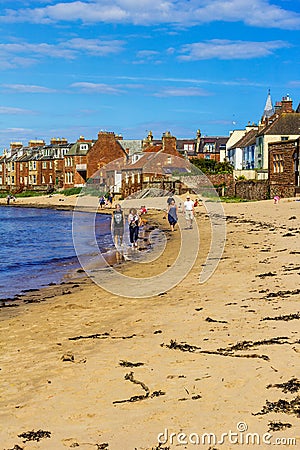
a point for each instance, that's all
(36, 247)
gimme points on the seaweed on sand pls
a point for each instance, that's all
(292, 386)
(129, 376)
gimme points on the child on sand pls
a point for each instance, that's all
(276, 199)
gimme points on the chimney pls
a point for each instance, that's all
(169, 143)
(15, 145)
(57, 141)
(287, 104)
(36, 143)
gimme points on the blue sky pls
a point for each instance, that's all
(73, 68)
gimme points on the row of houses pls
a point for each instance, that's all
(269, 150)
(248, 149)
(60, 164)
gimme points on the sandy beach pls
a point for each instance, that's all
(83, 368)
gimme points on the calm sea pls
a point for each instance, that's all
(36, 247)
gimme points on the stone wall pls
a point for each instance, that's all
(252, 190)
(223, 183)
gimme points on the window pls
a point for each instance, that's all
(43, 179)
(21, 166)
(1, 168)
(50, 164)
(1, 182)
(44, 164)
(284, 138)
(209, 147)
(33, 179)
(84, 147)
(68, 162)
(278, 163)
(188, 147)
(12, 179)
(12, 166)
(50, 179)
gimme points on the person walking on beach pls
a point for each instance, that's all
(102, 201)
(189, 211)
(133, 221)
(170, 198)
(117, 225)
(172, 214)
(110, 199)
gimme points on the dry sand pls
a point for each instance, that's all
(75, 389)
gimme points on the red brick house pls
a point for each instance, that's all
(105, 150)
(153, 167)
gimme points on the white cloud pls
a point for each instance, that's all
(225, 49)
(260, 13)
(147, 54)
(182, 92)
(11, 53)
(28, 88)
(294, 83)
(98, 88)
(13, 111)
(15, 61)
(94, 46)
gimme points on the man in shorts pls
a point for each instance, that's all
(189, 211)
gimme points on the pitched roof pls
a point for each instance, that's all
(157, 162)
(248, 139)
(284, 124)
(131, 145)
(76, 150)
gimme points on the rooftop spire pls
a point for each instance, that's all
(269, 109)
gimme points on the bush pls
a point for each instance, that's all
(29, 194)
(210, 166)
(71, 191)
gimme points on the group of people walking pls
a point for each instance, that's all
(134, 219)
(188, 209)
(118, 225)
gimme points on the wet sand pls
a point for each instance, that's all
(83, 368)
